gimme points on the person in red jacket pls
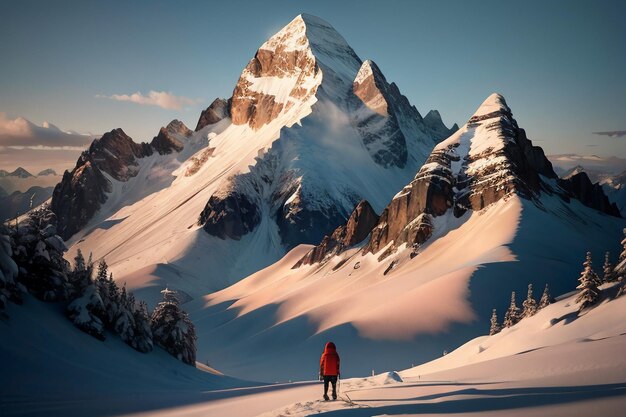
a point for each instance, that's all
(329, 368)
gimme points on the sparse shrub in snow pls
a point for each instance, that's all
(588, 286)
(495, 326)
(173, 330)
(512, 315)
(608, 269)
(545, 298)
(530, 305)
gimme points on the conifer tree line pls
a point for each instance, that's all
(31, 261)
(589, 291)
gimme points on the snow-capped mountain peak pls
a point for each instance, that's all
(492, 105)
(284, 161)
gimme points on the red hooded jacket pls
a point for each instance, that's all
(329, 362)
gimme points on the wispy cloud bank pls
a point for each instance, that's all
(612, 133)
(163, 99)
(20, 133)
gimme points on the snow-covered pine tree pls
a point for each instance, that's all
(77, 277)
(86, 308)
(545, 298)
(8, 270)
(172, 329)
(143, 333)
(608, 269)
(512, 315)
(38, 253)
(622, 255)
(125, 320)
(589, 293)
(530, 305)
(495, 326)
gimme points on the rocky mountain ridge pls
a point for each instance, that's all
(487, 160)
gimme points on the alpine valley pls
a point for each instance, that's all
(316, 203)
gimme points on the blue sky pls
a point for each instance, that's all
(560, 64)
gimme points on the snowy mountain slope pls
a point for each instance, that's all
(553, 363)
(480, 219)
(271, 175)
(47, 364)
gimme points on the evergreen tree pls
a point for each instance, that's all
(86, 307)
(109, 293)
(608, 269)
(495, 326)
(125, 320)
(530, 305)
(38, 253)
(545, 298)
(8, 270)
(172, 329)
(622, 255)
(143, 333)
(589, 292)
(512, 315)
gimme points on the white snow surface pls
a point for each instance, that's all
(435, 301)
(556, 363)
(147, 230)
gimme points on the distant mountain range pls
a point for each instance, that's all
(20, 172)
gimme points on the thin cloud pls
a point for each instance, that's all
(20, 133)
(163, 99)
(612, 133)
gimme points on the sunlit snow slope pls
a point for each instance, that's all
(296, 153)
(390, 308)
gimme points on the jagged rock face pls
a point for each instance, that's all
(375, 118)
(434, 122)
(307, 74)
(78, 196)
(230, 216)
(169, 138)
(490, 158)
(358, 227)
(431, 192)
(81, 193)
(217, 111)
(591, 195)
(257, 100)
(116, 154)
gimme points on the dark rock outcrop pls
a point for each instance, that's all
(375, 117)
(81, 192)
(218, 110)
(230, 216)
(359, 225)
(430, 193)
(508, 164)
(591, 195)
(116, 154)
(79, 196)
(167, 141)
